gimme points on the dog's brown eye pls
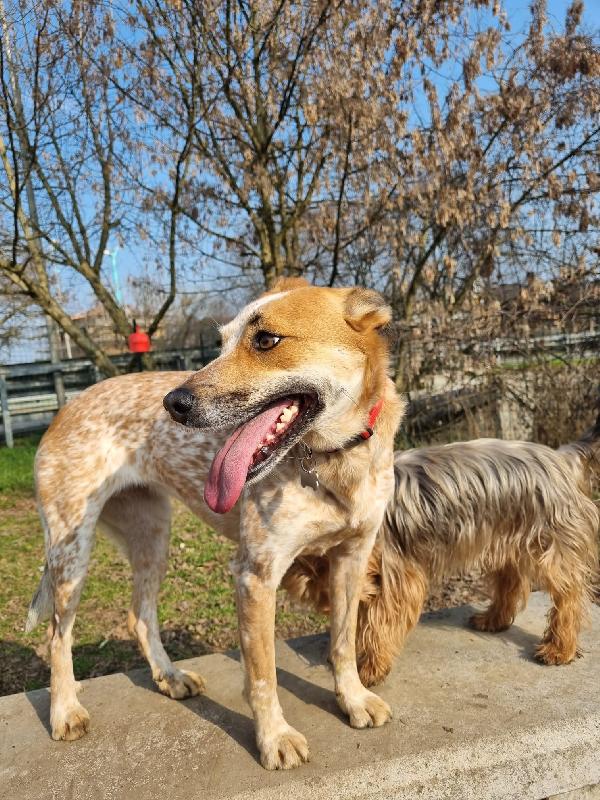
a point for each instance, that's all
(265, 340)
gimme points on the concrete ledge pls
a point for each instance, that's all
(475, 717)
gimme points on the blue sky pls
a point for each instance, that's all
(518, 12)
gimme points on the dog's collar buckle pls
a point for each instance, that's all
(309, 477)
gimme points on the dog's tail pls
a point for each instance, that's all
(586, 452)
(42, 603)
(590, 441)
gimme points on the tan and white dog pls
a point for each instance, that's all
(268, 429)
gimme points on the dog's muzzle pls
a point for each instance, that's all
(179, 403)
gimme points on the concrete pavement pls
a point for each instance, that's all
(474, 717)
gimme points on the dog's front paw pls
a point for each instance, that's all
(180, 684)
(553, 654)
(488, 623)
(284, 750)
(70, 723)
(366, 711)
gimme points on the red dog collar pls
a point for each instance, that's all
(373, 414)
(308, 470)
(364, 435)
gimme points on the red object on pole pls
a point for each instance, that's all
(139, 341)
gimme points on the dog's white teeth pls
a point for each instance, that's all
(286, 414)
(269, 438)
(281, 426)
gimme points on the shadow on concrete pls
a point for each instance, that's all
(310, 693)
(452, 618)
(313, 650)
(524, 640)
(238, 726)
(39, 699)
(234, 724)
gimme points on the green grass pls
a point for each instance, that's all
(522, 365)
(16, 466)
(196, 605)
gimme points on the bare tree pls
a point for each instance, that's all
(418, 147)
(287, 121)
(68, 149)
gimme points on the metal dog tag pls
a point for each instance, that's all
(309, 477)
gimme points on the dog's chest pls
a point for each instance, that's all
(314, 521)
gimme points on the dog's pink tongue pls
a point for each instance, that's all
(230, 465)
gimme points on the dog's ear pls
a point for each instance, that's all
(284, 284)
(366, 310)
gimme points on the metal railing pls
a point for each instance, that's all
(27, 390)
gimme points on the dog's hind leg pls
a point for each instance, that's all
(569, 598)
(140, 520)
(559, 644)
(509, 592)
(568, 570)
(68, 552)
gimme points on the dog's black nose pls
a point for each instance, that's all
(179, 403)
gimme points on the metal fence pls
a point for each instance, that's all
(28, 395)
